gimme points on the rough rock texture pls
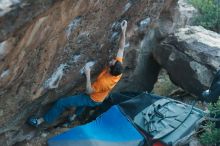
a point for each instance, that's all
(14, 14)
(191, 57)
(45, 44)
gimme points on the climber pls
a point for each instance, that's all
(95, 92)
(213, 93)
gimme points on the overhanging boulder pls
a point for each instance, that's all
(191, 56)
(45, 44)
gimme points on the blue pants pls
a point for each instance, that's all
(78, 101)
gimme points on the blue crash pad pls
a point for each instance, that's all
(112, 128)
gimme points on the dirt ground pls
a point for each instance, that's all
(165, 87)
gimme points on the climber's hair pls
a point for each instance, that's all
(116, 69)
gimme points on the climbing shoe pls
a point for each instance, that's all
(33, 121)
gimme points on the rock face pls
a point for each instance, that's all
(45, 44)
(14, 14)
(191, 57)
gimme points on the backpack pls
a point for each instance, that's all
(168, 120)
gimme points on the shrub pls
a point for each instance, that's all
(209, 14)
(211, 134)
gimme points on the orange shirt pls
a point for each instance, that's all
(104, 84)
